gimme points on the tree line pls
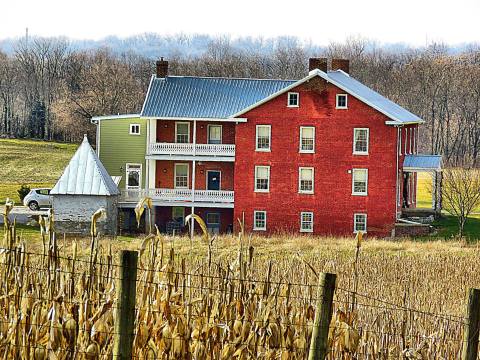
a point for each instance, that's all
(50, 90)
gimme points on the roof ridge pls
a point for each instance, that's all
(224, 77)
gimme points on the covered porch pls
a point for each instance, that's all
(422, 175)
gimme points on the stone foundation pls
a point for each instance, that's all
(412, 230)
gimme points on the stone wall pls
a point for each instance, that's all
(73, 213)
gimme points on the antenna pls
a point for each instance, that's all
(26, 35)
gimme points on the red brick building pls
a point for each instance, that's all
(322, 155)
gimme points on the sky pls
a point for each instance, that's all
(413, 22)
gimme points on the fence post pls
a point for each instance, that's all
(125, 312)
(471, 328)
(323, 316)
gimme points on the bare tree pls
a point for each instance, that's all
(461, 193)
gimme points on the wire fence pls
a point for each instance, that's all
(67, 306)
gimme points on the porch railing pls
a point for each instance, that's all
(191, 149)
(172, 195)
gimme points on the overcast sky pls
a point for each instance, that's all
(413, 22)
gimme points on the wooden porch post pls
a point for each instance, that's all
(192, 224)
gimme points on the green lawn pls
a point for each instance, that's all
(30, 162)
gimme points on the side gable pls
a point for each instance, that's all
(343, 81)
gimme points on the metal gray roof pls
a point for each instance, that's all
(202, 97)
(222, 98)
(422, 162)
(370, 97)
(85, 175)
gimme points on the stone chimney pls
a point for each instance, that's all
(162, 68)
(317, 63)
(341, 64)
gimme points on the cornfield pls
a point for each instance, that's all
(228, 298)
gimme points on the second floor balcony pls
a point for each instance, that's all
(180, 197)
(219, 152)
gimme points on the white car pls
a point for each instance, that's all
(38, 198)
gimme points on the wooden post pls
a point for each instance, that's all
(472, 327)
(125, 312)
(323, 316)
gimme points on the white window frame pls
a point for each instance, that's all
(269, 138)
(264, 228)
(255, 179)
(183, 213)
(368, 142)
(298, 99)
(303, 151)
(353, 182)
(208, 132)
(301, 222)
(132, 127)
(346, 101)
(355, 223)
(175, 176)
(213, 213)
(176, 133)
(219, 180)
(127, 166)
(300, 191)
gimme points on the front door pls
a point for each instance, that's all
(213, 180)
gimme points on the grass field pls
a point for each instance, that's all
(29, 162)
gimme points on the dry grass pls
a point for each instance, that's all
(224, 302)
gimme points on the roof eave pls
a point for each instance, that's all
(148, 93)
(96, 119)
(401, 123)
(170, 118)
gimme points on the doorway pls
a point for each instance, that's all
(213, 180)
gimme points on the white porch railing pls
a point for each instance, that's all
(190, 149)
(172, 195)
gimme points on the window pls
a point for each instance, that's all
(359, 181)
(293, 98)
(262, 178)
(213, 218)
(182, 132)
(214, 134)
(307, 139)
(305, 180)
(181, 176)
(306, 222)
(178, 214)
(360, 141)
(342, 101)
(134, 176)
(360, 223)
(263, 138)
(134, 129)
(44, 191)
(259, 220)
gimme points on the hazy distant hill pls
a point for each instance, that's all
(153, 45)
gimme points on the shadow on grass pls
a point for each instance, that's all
(447, 228)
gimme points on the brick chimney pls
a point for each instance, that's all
(317, 63)
(162, 68)
(341, 64)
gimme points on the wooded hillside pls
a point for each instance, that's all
(49, 90)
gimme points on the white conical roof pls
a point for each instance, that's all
(85, 175)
